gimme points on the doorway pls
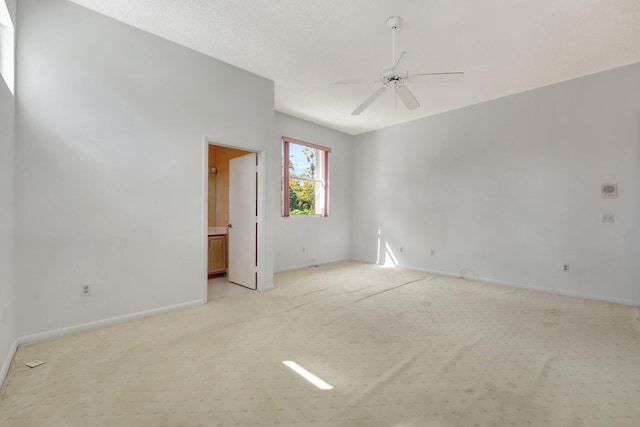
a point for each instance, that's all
(233, 219)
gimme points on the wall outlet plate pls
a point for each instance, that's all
(34, 363)
(608, 218)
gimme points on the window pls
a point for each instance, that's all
(6, 45)
(305, 173)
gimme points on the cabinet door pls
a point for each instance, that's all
(217, 254)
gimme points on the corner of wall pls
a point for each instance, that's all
(4, 370)
(7, 229)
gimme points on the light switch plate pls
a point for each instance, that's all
(609, 190)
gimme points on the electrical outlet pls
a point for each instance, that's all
(86, 290)
(433, 252)
(401, 249)
(608, 218)
(565, 267)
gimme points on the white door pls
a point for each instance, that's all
(242, 220)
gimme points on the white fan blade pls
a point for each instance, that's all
(368, 101)
(453, 76)
(407, 97)
(352, 81)
(399, 59)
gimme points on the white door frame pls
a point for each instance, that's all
(261, 269)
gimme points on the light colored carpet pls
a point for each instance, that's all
(401, 348)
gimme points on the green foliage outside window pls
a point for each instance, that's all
(302, 197)
(302, 193)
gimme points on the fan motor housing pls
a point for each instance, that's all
(389, 75)
(394, 21)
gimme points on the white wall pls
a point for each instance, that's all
(7, 276)
(110, 127)
(324, 239)
(510, 189)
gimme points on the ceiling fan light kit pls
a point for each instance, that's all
(391, 77)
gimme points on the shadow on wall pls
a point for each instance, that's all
(385, 255)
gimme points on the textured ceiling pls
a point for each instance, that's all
(503, 46)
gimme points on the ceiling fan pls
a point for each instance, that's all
(391, 77)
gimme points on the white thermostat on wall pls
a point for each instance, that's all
(609, 191)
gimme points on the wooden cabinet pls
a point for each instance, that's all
(217, 254)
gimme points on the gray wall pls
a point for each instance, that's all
(509, 189)
(7, 170)
(110, 127)
(324, 239)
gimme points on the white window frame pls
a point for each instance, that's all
(323, 179)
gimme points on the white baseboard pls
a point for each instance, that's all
(104, 322)
(625, 301)
(7, 362)
(631, 302)
(291, 268)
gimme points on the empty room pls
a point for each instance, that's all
(329, 213)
